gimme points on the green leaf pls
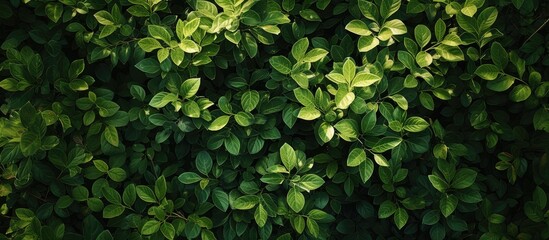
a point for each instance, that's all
(232, 144)
(424, 59)
(310, 15)
(313, 227)
(137, 92)
(499, 55)
(189, 46)
(308, 113)
(160, 187)
(358, 27)
(541, 120)
(107, 31)
(363, 79)
(356, 157)
(273, 178)
(440, 184)
(440, 29)
(347, 129)
(148, 65)
(320, 216)
(467, 23)
(281, 64)
(159, 32)
(540, 197)
(204, 162)
(367, 43)
(305, 97)
(167, 230)
(520, 93)
(288, 156)
(150, 227)
(349, 70)
(368, 10)
(502, 83)
(189, 87)
(448, 204)
(112, 211)
(249, 100)
(103, 17)
(189, 178)
(111, 135)
(386, 143)
(129, 195)
(300, 48)
(162, 99)
(146, 194)
(431, 218)
(177, 55)
(220, 199)
(388, 8)
(533, 211)
(107, 108)
(400, 218)
(288, 5)
(260, 216)
(24, 214)
(469, 10)
(487, 18)
(407, 59)
(400, 101)
(250, 44)
(246, 202)
(415, 124)
(295, 200)
(30, 143)
(368, 122)
(336, 78)
(117, 174)
(464, 178)
(487, 71)
(386, 209)
(301, 79)
(396, 27)
(54, 11)
(10, 84)
(422, 35)
(76, 68)
(366, 169)
(298, 223)
(101, 165)
(450, 53)
(517, 3)
(344, 98)
(310, 182)
(190, 27)
(452, 39)
(315, 55)
(497, 218)
(80, 193)
(191, 109)
(326, 132)
(219, 123)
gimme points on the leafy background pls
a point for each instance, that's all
(282, 119)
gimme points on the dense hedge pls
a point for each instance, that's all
(274, 119)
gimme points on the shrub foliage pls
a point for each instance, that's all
(282, 119)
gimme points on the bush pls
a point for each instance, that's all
(282, 119)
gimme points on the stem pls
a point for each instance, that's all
(537, 30)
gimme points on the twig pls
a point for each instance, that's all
(537, 30)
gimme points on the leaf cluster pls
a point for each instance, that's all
(274, 119)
